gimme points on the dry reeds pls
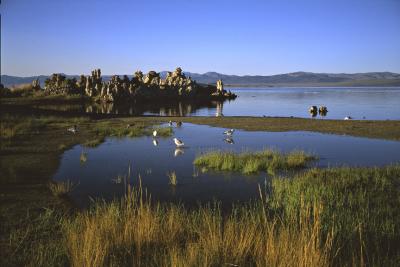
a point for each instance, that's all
(60, 189)
(134, 232)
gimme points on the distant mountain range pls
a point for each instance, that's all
(288, 79)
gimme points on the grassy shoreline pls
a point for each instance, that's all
(388, 129)
(31, 215)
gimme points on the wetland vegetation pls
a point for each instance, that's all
(253, 162)
(338, 216)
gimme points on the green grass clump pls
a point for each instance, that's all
(106, 129)
(253, 162)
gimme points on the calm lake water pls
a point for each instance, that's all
(359, 103)
(97, 177)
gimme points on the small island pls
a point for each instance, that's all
(140, 87)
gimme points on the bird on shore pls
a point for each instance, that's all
(178, 142)
(154, 133)
(347, 118)
(178, 124)
(73, 129)
(229, 132)
(170, 123)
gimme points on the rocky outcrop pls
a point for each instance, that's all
(36, 84)
(146, 87)
(59, 84)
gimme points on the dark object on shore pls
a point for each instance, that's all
(178, 124)
(313, 110)
(323, 111)
(149, 87)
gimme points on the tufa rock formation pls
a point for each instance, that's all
(149, 87)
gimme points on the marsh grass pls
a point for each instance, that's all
(94, 142)
(10, 128)
(61, 189)
(332, 217)
(135, 232)
(253, 162)
(139, 129)
(360, 209)
(173, 180)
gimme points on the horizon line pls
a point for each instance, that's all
(204, 73)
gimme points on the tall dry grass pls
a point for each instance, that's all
(135, 232)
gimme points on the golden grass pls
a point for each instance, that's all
(134, 232)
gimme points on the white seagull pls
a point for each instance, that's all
(178, 142)
(170, 123)
(154, 133)
(73, 129)
(229, 132)
(347, 118)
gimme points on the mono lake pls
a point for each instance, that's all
(357, 102)
(361, 103)
(97, 176)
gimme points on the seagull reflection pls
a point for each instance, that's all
(155, 142)
(229, 140)
(178, 152)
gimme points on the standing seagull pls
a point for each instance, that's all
(170, 123)
(229, 132)
(178, 142)
(154, 133)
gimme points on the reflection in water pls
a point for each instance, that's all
(219, 109)
(229, 140)
(179, 108)
(155, 142)
(178, 152)
(111, 159)
(359, 103)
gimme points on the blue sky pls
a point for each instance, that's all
(232, 37)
